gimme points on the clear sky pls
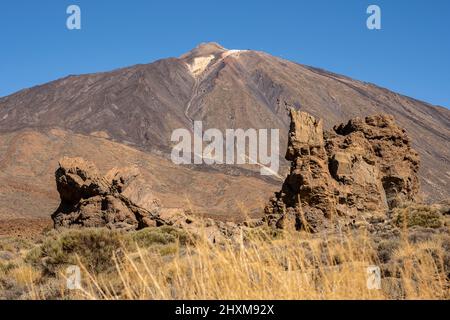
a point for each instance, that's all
(410, 54)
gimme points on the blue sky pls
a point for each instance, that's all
(410, 55)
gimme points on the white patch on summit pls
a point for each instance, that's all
(5, 116)
(232, 52)
(200, 64)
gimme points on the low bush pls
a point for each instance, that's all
(163, 235)
(418, 215)
(94, 248)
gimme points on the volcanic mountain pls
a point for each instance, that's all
(128, 116)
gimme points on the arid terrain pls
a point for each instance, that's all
(127, 116)
(87, 181)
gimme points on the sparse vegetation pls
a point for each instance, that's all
(166, 263)
(162, 236)
(91, 247)
(418, 215)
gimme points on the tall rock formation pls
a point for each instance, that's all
(360, 170)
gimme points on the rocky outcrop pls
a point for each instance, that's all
(119, 200)
(122, 200)
(214, 231)
(351, 175)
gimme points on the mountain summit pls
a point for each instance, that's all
(204, 49)
(141, 105)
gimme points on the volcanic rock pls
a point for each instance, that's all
(123, 200)
(215, 231)
(354, 174)
(119, 200)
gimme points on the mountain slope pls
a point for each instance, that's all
(142, 105)
(29, 158)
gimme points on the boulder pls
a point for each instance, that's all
(119, 200)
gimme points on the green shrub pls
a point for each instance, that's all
(163, 235)
(418, 215)
(94, 248)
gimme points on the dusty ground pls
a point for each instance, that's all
(26, 228)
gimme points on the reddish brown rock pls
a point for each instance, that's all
(122, 200)
(382, 145)
(117, 201)
(360, 171)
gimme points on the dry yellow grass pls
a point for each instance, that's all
(262, 264)
(295, 266)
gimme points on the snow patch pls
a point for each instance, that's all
(5, 116)
(232, 52)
